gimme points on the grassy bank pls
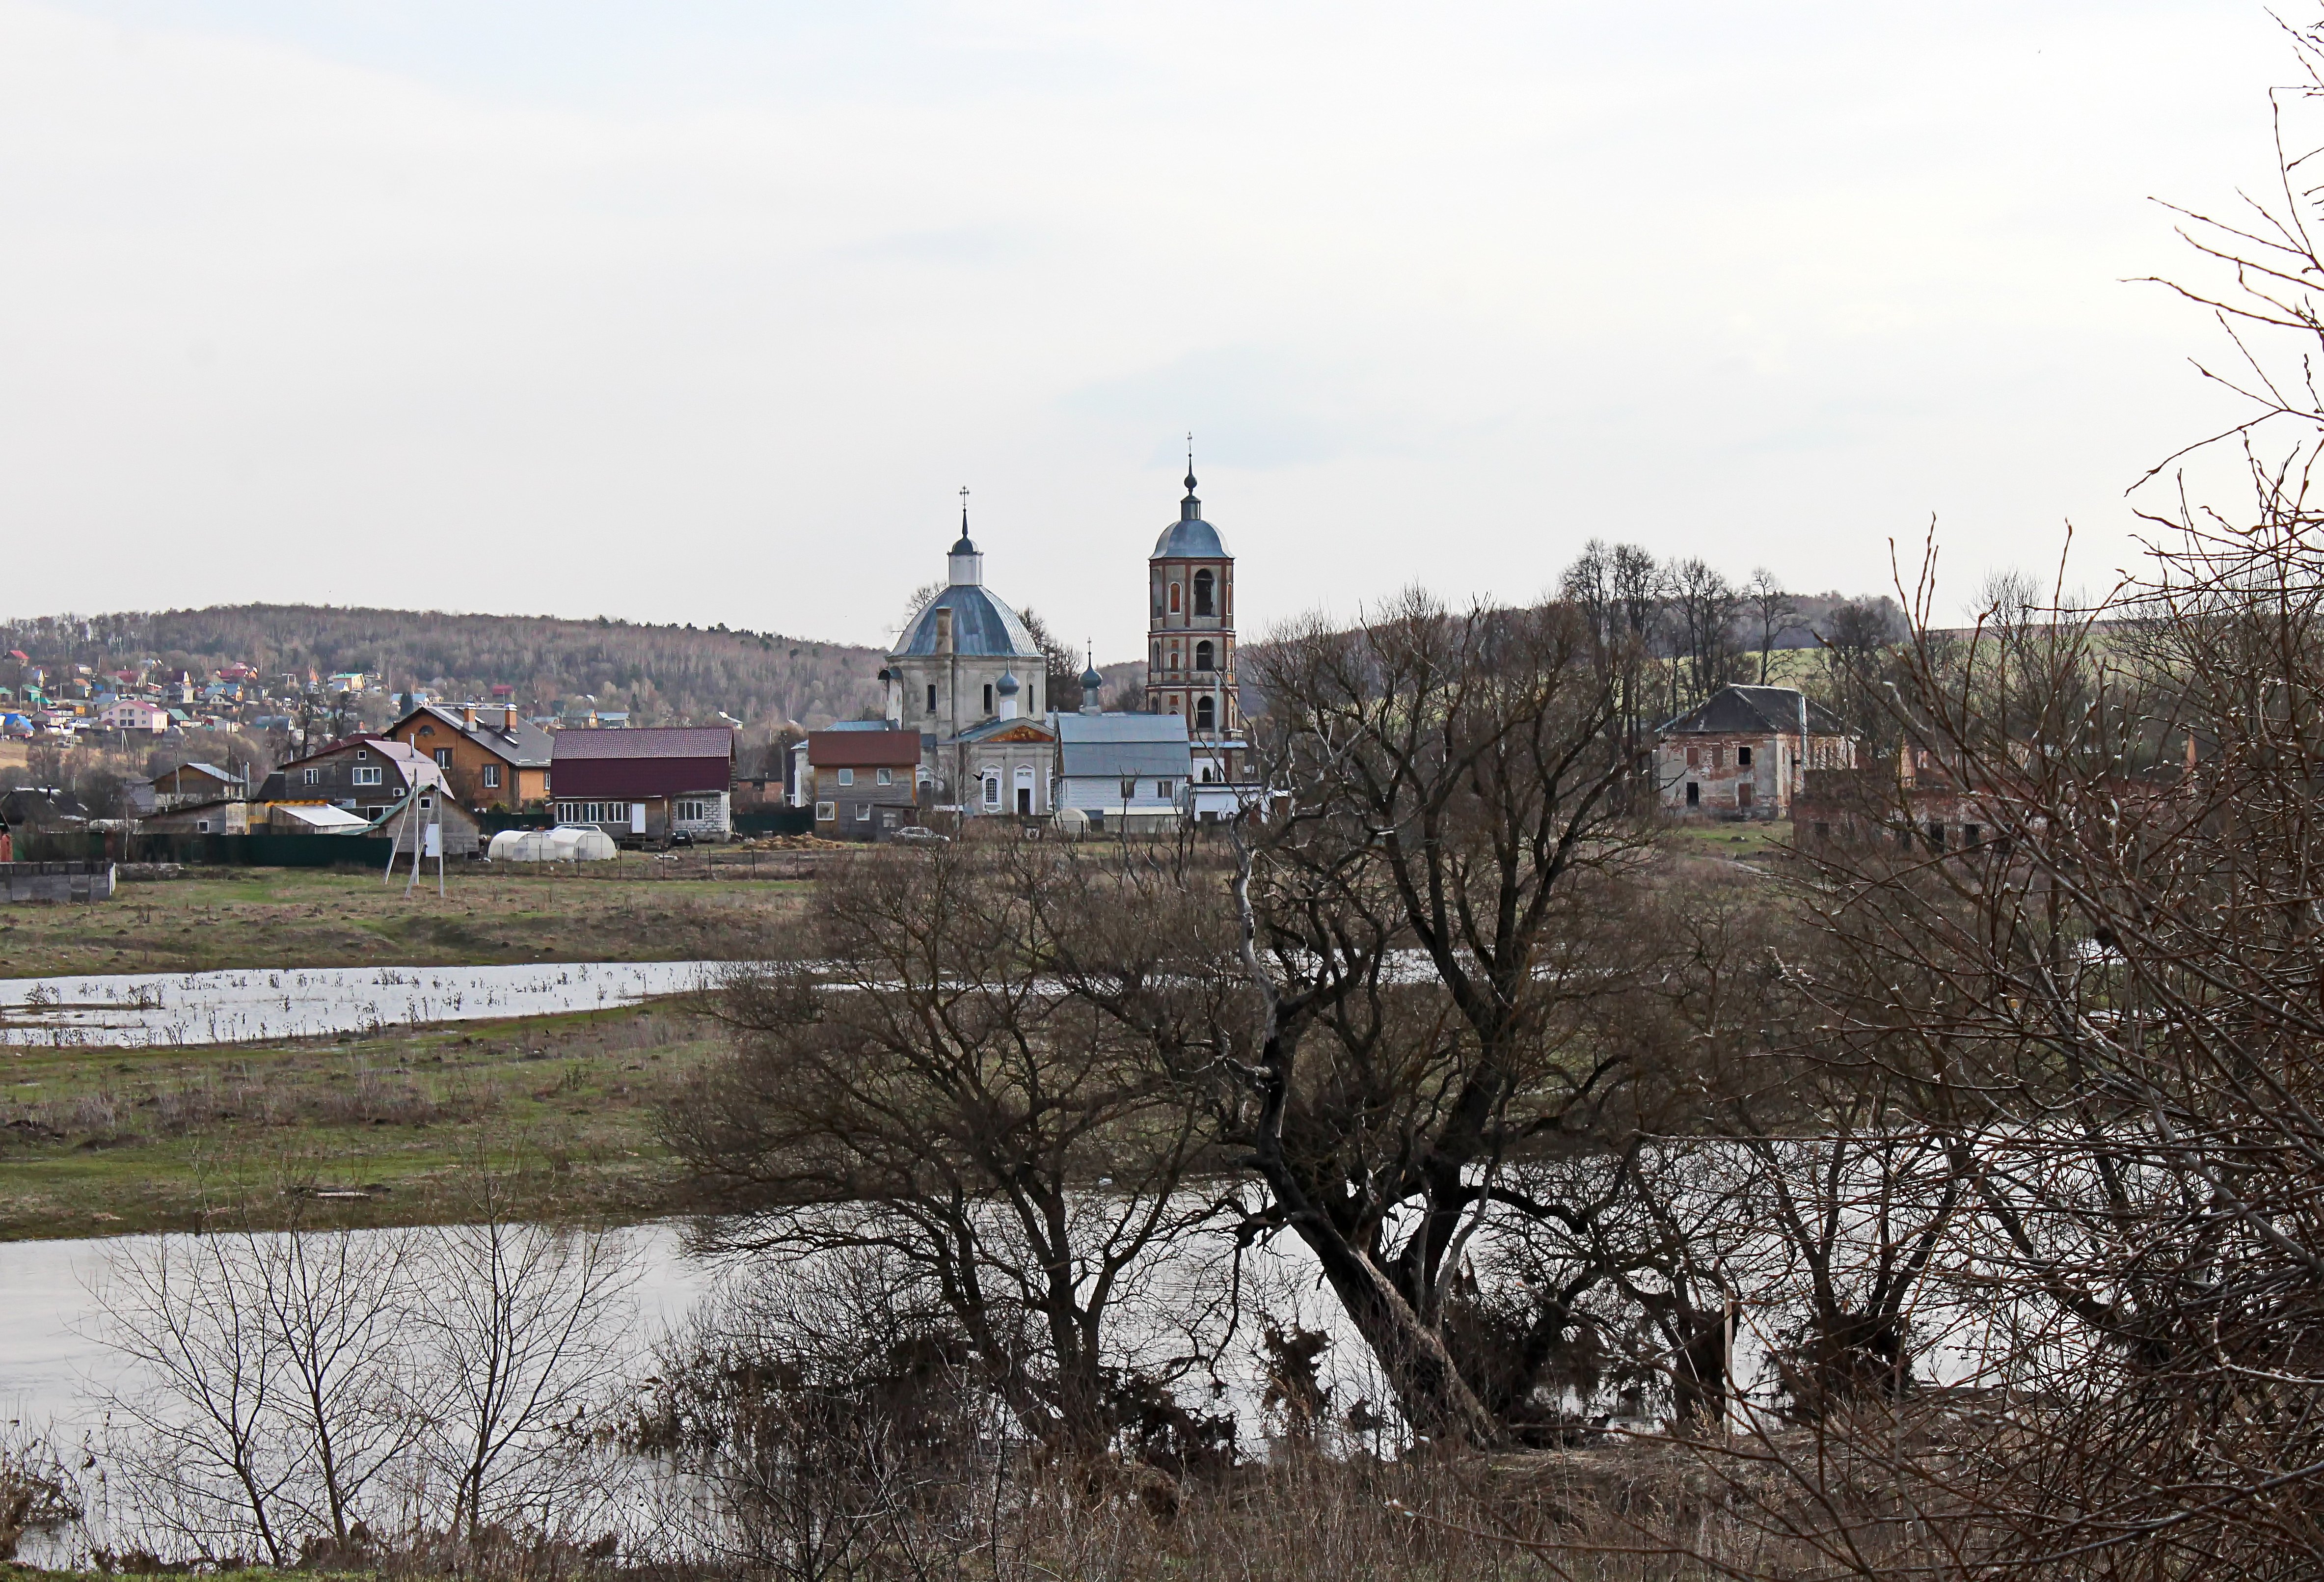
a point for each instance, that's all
(638, 909)
(103, 1142)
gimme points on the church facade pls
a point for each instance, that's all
(967, 677)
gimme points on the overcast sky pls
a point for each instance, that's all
(704, 311)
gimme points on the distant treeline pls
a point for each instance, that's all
(663, 675)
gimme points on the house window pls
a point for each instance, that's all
(693, 812)
(864, 813)
(992, 790)
(885, 777)
(847, 777)
(1206, 714)
(362, 754)
(367, 775)
(1128, 790)
(425, 803)
(1694, 758)
(201, 827)
(443, 757)
(1972, 835)
(492, 776)
(1203, 653)
(310, 777)
(1693, 794)
(1203, 583)
(1742, 757)
(826, 812)
(1162, 789)
(932, 696)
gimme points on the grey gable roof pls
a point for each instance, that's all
(1750, 709)
(982, 625)
(1124, 745)
(524, 743)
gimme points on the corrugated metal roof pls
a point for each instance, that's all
(1122, 727)
(654, 742)
(1121, 760)
(862, 749)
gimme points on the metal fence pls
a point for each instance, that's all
(234, 851)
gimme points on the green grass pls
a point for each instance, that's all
(291, 917)
(1753, 839)
(99, 1141)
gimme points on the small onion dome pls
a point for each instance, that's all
(1007, 686)
(1091, 680)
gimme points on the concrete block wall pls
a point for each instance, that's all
(24, 882)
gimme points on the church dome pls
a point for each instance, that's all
(1190, 538)
(982, 625)
(1007, 686)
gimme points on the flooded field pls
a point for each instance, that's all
(178, 1009)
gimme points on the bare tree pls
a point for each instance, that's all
(266, 1393)
(1773, 610)
(936, 1089)
(1452, 781)
(527, 1322)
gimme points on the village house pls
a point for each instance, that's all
(135, 714)
(217, 816)
(1743, 752)
(646, 787)
(385, 783)
(184, 786)
(492, 757)
(865, 782)
(1123, 772)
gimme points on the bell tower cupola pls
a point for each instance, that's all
(1190, 657)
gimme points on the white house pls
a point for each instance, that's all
(137, 714)
(1123, 770)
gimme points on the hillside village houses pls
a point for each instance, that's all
(966, 732)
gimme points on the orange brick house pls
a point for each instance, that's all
(492, 757)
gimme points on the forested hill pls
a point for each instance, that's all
(662, 675)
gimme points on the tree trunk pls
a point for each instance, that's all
(1434, 1397)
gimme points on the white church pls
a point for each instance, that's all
(966, 675)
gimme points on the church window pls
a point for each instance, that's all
(1203, 582)
(932, 696)
(988, 698)
(1173, 599)
(992, 790)
(1203, 655)
(1205, 714)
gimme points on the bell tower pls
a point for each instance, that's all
(1190, 643)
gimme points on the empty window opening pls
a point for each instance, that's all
(1203, 583)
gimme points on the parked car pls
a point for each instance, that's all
(920, 835)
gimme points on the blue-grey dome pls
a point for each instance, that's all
(1091, 680)
(1007, 685)
(1190, 538)
(980, 624)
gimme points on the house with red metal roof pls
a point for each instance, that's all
(865, 783)
(648, 787)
